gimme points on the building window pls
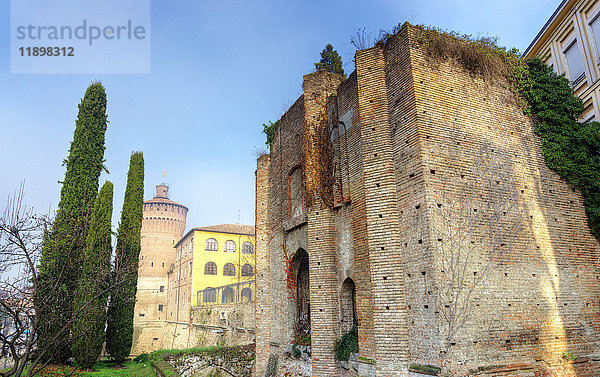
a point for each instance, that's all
(247, 248)
(163, 264)
(209, 295)
(229, 269)
(227, 295)
(160, 308)
(211, 245)
(162, 288)
(210, 268)
(229, 246)
(191, 245)
(595, 26)
(142, 315)
(190, 269)
(246, 295)
(574, 63)
(247, 270)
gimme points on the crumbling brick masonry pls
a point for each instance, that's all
(419, 195)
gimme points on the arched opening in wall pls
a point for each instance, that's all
(302, 324)
(227, 296)
(348, 305)
(246, 294)
(209, 295)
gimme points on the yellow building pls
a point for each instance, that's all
(570, 43)
(213, 265)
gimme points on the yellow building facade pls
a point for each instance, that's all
(570, 43)
(213, 265)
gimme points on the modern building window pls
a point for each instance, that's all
(229, 246)
(210, 268)
(247, 248)
(247, 270)
(229, 269)
(595, 26)
(211, 245)
(160, 308)
(576, 70)
(209, 295)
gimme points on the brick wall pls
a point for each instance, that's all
(324, 300)
(434, 171)
(533, 264)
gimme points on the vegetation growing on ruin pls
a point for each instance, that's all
(570, 148)
(269, 130)
(347, 344)
(330, 61)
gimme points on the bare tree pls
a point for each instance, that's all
(475, 226)
(21, 238)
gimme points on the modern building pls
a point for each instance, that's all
(214, 265)
(163, 225)
(570, 43)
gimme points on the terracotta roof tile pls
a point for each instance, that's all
(229, 228)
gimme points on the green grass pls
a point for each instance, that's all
(130, 368)
(161, 354)
(104, 368)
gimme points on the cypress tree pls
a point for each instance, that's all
(330, 61)
(119, 334)
(60, 264)
(92, 293)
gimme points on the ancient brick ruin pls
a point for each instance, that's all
(414, 199)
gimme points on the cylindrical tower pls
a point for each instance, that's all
(162, 226)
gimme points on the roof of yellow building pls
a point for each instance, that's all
(246, 230)
(228, 228)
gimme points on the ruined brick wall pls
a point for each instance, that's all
(435, 171)
(216, 325)
(352, 252)
(324, 290)
(530, 262)
(263, 266)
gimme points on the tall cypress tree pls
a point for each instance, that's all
(60, 264)
(119, 334)
(92, 293)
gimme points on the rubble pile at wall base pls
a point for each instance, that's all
(226, 361)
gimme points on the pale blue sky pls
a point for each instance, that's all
(219, 70)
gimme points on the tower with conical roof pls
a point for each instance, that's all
(163, 225)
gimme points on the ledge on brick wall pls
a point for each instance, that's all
(294, 222)
(503, 368)
(429, 370)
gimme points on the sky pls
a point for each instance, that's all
(219, 70)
